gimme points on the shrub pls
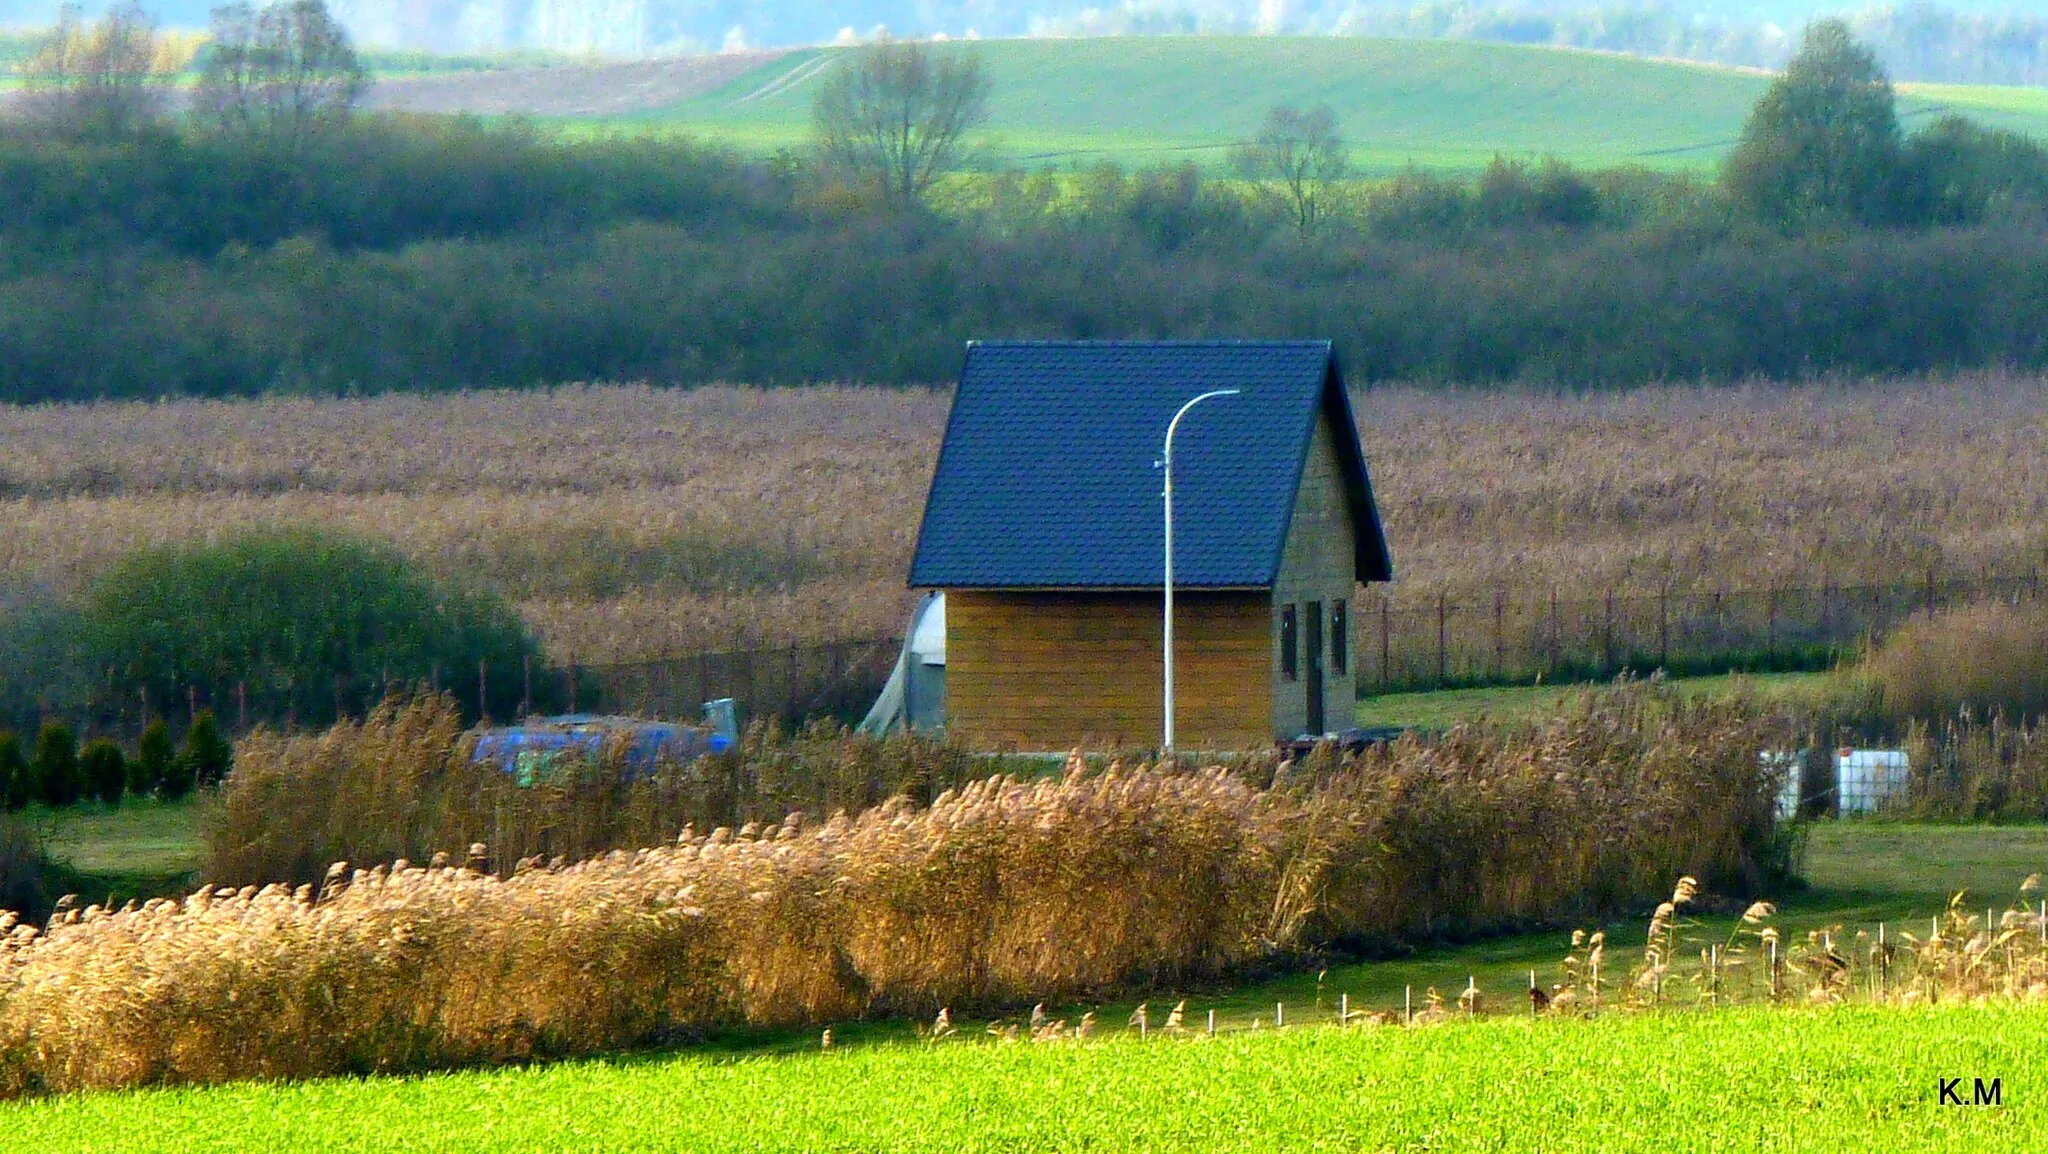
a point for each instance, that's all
(1969, 769)
(21, 872)
(1982, 659)
(207, 754)
(177, 780)
(153, 756)
(55, 766)
(16, 785)
(301, 622)
(104, 770)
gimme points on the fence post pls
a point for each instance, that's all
(1770, 621)
(1443, 657)
(1556, 634)
(1607, 637)
(573, 683)
(483, 699)
(1500, 650)
(1664, 625)
(1386, 652)
(242, 706)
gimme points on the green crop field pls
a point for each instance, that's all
(1437, 104)
(1848, 1079)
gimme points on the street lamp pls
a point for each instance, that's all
(1166, 744)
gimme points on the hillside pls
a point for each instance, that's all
(1438, 104)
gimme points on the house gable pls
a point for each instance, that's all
(1048, 476)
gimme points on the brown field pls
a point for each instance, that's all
(607, 89)
(630, 522)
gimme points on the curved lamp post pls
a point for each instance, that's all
(1166, 743)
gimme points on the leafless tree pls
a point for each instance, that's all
(101, 81)
(285, 75)
(1300, 151)
(896, 115)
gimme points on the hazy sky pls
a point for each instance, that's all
(707, 23)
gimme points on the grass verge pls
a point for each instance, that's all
(1853, 1078)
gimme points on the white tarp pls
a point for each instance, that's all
(916, 693)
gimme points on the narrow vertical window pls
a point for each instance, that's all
(1340, 638)
(1290, 663)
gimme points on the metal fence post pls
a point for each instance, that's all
(1556, 634)
(1771, 622)
(1500, 644)
(1607, 641)
(1664, 625)
(1386, 652)
(1443, 657)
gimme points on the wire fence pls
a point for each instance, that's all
(1411, 644)
(1404, 642)
(791, 683)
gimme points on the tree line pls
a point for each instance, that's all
(274, 238)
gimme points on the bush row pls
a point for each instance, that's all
(59, 773)
(895, 302)
(422, 254)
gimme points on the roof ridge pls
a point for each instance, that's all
(1139, 342)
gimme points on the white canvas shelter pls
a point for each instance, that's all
(915, 696)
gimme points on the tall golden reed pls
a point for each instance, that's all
(1003, 892)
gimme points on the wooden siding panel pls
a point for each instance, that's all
(1049, 671)
(1318, 563)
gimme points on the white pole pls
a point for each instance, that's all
(1166, 741)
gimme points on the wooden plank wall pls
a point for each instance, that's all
(1050, 671)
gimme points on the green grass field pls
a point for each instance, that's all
(140, 849)
(1437, 104)
(1848, 1079)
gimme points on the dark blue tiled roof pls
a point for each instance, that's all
(1047, 476)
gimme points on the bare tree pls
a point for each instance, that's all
(285, 75)
(1301, 151)
(101, 81)
(896, 115)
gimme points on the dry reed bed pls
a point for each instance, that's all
(1000, 893)
(632, 522)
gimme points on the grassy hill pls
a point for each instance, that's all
(1437, 104)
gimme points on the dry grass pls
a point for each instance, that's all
(400, 783)
(1003, 892)
(629, 522)
(1956, 956)
(1985, 659)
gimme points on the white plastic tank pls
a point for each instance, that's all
(1866, 779)
(1786, 763)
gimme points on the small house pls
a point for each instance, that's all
(1044, 530)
